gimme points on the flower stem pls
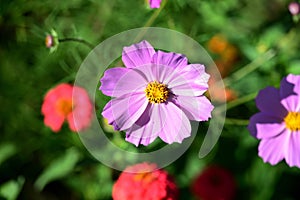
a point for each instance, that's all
(239, 122)
(249, 67)
(241, 100)
(77, 40)
(150, 21)
(155, 14)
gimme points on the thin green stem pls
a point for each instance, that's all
(237, 102)
(82, 41)
(241, 100)
(238, 122)
(150, 21)
(249, 67)
(155, 14)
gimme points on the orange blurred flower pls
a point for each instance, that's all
(217, 44)
(218, 93)
(226, 55)
(225, 52)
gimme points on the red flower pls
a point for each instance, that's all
(214, 183)
(145, 183)
(58, 107)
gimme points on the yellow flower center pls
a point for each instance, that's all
(156, 92)
(64, 106)
(292, 121)
(145, 177)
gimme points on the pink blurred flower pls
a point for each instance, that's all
(277, 124)
(214, 183)
(294, 8)
(58, 107)
(154, 3)
(147, 183)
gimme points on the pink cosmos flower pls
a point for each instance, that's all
(58, 107)
(146, 183)
(278, 123)
(155, 95)
(154, 3)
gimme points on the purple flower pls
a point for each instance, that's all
(155, 95)
(154, 3)
(278, 123)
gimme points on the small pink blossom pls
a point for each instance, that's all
(294, 8)
(59, 106)
(154, 3)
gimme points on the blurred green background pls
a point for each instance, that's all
(36, 163)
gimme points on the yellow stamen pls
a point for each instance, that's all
(292, 121)
(156, 92)
(146, 177)
(64, 106)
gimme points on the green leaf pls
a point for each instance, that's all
(101, 188)
(59, 168)
(294, 67)
(193, 167)
(11, 189)
(263, 175)
(6, 151)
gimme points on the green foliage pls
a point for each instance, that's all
(36, 163)
(11, 189)
(58, 168)
(6, 151)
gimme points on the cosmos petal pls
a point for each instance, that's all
(191, 81)
(196, 108)
(175, 125)
(293, 148)
(138, 54)
(171, 59)
(110, 79)
(268, 101)
(262, 126)
(120, 81)
(291, 103)
(290, 92)
(272, 150)
(145, 130)
(124, 111)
